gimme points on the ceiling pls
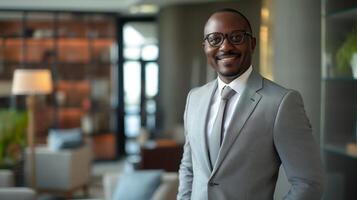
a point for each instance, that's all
(120, 6)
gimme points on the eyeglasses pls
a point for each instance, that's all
(236, 37)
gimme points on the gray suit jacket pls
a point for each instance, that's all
(270, 128)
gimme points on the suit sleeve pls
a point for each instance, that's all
(185, 171)
(297, 149)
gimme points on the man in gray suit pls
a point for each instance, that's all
(241, 127)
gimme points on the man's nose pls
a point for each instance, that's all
(226, 44)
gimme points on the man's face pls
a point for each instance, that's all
(228, 59)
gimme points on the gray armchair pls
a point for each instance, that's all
(62, 171)
(9, 192)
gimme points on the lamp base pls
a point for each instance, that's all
(31, 105)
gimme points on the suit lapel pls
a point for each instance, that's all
(203, 112)
(247, 103)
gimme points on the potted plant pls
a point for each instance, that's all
(12, 137)
(346, 56)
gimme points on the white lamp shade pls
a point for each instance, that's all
(31, 82)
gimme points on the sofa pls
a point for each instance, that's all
(167, 190)
(9, 192)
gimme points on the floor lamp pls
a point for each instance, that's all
(31, 82)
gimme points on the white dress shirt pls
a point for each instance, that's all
(238, 85)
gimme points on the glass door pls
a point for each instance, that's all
(141, 70)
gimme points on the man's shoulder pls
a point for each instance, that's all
(273, 85)
(203, 89)
(272, 88)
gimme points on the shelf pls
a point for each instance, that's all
(68, 50)
(339, 149)
(101, 133)
(350, 14)
(78, 49)
(14, 41)
(20, 38)
(338, 101)
(6, 37)
(339, 79)
(42, 64)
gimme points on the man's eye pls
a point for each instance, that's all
(236, 37)
(214, 39)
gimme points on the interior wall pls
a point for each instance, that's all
(182, 60)
(297, 58)
(297, 42)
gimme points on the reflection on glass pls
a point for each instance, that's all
(150, 106)
(132, 109)
(140, 53)
(139, 33)
(132, 53)
(132, 83)
(152, 79)
(132, 125)
(131, 36)
(150, 121)
(150, 52)
(151, 110)
(132, 147)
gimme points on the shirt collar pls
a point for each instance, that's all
(237, 84)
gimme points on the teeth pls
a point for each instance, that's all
(227, 58)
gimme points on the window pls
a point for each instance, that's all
(141, 78)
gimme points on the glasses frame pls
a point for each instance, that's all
(226, 36)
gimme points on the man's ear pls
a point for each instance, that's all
(253, 43)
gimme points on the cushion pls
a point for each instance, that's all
(64, 139)
(137, 185)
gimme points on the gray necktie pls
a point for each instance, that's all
(215, 140)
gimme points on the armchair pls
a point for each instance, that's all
(62, 171)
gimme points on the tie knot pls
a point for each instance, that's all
(227, 93)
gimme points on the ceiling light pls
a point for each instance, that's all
(144, 9)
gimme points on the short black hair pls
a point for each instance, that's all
(236, 12)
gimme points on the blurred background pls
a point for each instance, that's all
(120, 72)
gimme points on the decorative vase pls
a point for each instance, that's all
(354, 65)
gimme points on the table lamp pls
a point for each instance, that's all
(31, 82)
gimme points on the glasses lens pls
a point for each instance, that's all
(215, 39)
(236, 37)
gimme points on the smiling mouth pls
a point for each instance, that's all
(227, 57)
